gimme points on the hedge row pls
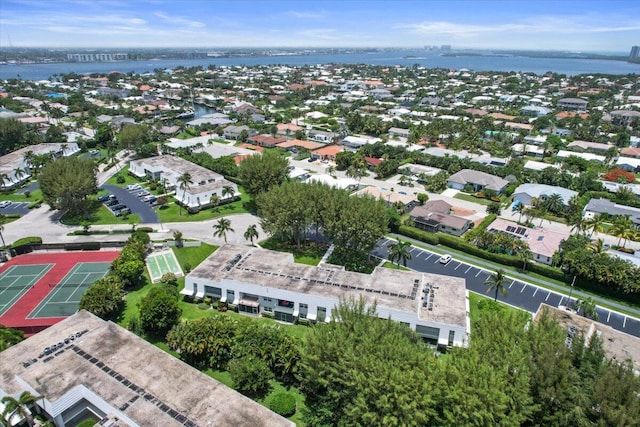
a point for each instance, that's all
(471, 249)
(471, 234)
(27, 241)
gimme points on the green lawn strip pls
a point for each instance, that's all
(128, 178)
(101, 215)
(389, 264)
(14, 197)
(310, 253)
(193, 255)
(171, 212)
(479, 304)
(527, 276)
(469, 198)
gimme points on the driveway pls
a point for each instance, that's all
(519, 294)
(137, 206)
(20, 208)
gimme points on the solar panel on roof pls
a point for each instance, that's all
(521, 231)
(511, 228)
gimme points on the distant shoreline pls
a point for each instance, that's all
(541, 55)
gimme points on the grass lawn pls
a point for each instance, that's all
(100, 216)
(193, 256)
(310, 253)
(128, 179)
(470, 198)
(479, 304)
(35, 195)
(173, 213)
(389, 264)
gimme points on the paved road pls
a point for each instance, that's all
(519, 293)
(20, 208)
(137, 206)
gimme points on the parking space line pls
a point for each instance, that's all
(523, 288)
(512, 282)
(624, 322)
(535, 292)
(548, 295)
(467, 270)
(608, 317)
(478, 273)
(430, 255)
(459, 264)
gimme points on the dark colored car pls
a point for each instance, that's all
(112, 202)
(118, 207)
(103, 198)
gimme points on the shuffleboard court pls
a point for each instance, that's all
(163, 262)
(63, 300)
(17, 280)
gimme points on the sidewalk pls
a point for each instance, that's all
(492, 266)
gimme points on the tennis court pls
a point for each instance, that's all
(63, 300)
(17, 280)
(163, 262)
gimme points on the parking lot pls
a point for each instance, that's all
(135, 204)
(519, 294)
(20, 208)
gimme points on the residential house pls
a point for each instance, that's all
(624, 117)
(288, 129)
(355, 142)
(528, 150)
(233, 132)
(525, 193)
(630, 152)
(213, 120)
(391, 198)
(300, 144)
(399, 133)
(321, 136)
(628, 164)
(542, 243)
(327, 153)
(535, 111)
(256, 280)
(597, 207)
(435, 216)
(478, 180)
(266, 141)
(195, 196)
(572, 104)
(563, 154)
(418, 170)
(583, 146)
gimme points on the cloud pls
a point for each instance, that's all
(179, 20)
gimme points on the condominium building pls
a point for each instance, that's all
(97, 57)
(256, 281)
(84, 367)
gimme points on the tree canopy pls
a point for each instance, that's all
(66, 184)
(104, 297)
(261, 172)
(159, 311)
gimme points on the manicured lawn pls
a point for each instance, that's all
(276, 387)
(100, 216)
(173, 213)
(310, 253)
(389, 264)
(470, 198)
(128, 179)
(35, 195)
(193, 256)
(479, 304)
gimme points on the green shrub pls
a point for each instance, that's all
(27, 241)
(27, 194)
(120, 179)
(282, 403)
(186, 267)
(423, 236)
(145, 229)
(89, 422)
(35, 204)
(153, 186)
(207, 300)
(303, 322)
(204, 306)
(267, 314)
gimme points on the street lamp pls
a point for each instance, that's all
(571, 290)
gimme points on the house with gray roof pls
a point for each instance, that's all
(525, 193)
(435, 216)
(597, 207)
(572, 104)
(479, 181)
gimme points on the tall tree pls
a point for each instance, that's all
(20, 406)
(9, 337)
(227, 191)
(67, 183)
(221, 228)
(184, 182)
(496, 282)
(251, 233)
(159, 312)
(260, 172)
(104, 298)
(399, 251)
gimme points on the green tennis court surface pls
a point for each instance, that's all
(17, 280)
(162, 262)
(63, 300)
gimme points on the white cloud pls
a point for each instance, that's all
(179, 20)
(305, 14)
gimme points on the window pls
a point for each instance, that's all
(285, 303)
(269, 309)
(322, 309)
(303, 305)
(267, 299)
(452, 335)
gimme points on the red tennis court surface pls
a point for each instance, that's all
(16, 315)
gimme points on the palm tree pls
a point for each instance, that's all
(598, 247)
(4, 177)
(331, 171)
(251, 233)
(399, 252)
(495, 282)
(588, 308)
(554, 204)
(20, 406)
(519, 208)
(184, 182)
(228, 190)
(214, 200)
(163, 183)
(578, 223)
(596, 224)
(623, 229)
(19, 173)
(525, 255)
(221, 228)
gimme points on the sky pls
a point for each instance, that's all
(575, 25)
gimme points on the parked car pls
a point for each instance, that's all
(112, 202)
(133, 187)
(103, 198)
(4, 203)
(118, 207)
(143, 194)
(122, 212)
(445, 259)
(150, 198)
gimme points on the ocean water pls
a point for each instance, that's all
(567, 66)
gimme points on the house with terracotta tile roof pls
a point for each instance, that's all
(327, 153)
(299, 144)
(287, 129)
(266, 141)
(631, 152)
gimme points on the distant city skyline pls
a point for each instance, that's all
(586, 26)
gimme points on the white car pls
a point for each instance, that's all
(4, 203)
(444, 259)
(133, 187)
